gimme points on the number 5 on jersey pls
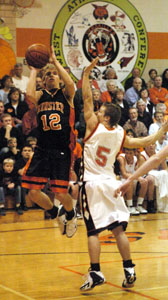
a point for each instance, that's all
(101, 155)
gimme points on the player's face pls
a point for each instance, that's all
(51, 78)
(129, 154)
(101, 113)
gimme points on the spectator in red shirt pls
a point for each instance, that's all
(158, 94)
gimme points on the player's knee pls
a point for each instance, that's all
(33, 193)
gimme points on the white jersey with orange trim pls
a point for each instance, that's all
(145, 155)
(100, 151)
(130, 168)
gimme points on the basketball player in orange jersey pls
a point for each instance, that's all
(56, 140)
(101, 210)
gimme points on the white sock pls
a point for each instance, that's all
(129, 202)
(140, 200)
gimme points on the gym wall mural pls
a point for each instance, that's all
(112, 30)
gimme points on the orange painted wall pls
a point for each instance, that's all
(158, 42)
(158, 45)
(28, 36)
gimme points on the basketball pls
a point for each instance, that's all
(37, 55)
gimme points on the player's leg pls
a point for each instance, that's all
(41, 199)
(129, 201)
(59, 183)
(95, 276)
(124, 249)
(143, 185)
(150, 194)
(35, 180)
(67, 215)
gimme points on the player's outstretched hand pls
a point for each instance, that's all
(52, 56)
(165, 125)
(91, 66)
(122, 189)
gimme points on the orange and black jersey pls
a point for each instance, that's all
(55, 120)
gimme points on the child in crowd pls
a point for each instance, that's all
(9, 185)
(20, 164)
(13, 152)
(32, 140)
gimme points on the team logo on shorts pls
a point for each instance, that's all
(112, 30)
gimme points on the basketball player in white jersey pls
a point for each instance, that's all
(101, 210)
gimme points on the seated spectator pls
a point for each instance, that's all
(110, 74)
(2, 109)
(144, 95)
(110, 93)
(132, 94)
(138, 127)
(94, 83)
(19, 80)
(158, 94)
(16, 108)
(119, 99)
(143, 115)
(130, 133)
(13, 152)
(165, 79)
(32, 141)
(9, 185)
(129, 82)
(152, 74)
(7, 131)
(161, 143)
(96, 99)
(127, 161)
(159, 117)
(150, 180)
(6, 84)
(29, 121)
(161, 180)
(39, 83)
(20, 164)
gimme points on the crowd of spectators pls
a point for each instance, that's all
(144, 106)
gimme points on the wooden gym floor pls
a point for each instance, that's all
(38, 263)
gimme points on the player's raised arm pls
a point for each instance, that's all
(145, 141)
(89, 115)
(69, 84)
(31, 92)
(152, 163)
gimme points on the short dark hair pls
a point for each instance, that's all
(13, 90)
(114, 112)
(130, 130)
(151, 70)
(3, 80)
